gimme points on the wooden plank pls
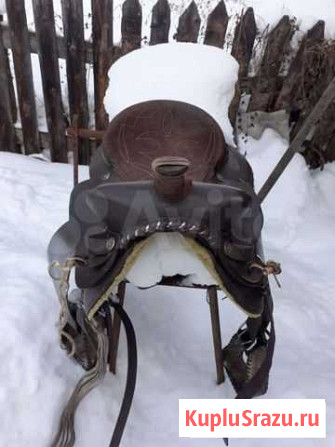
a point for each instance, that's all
(7, 131)
(269, 83)
(242, 49)
(102, 23)
(160, 23)
(217, 26)
(73, 22)
(47, 45)
(244, 39)
(131, 26)
(309, 75)
(61, 45)
(189, 24)
(293, 83)
(321, 148)
(23, 73)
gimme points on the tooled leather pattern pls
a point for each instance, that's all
(146, 131)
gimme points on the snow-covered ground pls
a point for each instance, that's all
(173, 326)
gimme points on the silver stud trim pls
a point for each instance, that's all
(110, 244)
(171, 225)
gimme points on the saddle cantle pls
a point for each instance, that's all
(164, 166)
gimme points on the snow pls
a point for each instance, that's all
(167, 254)
(172, 325)
(197, 74)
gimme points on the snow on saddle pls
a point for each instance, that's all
(164, 170)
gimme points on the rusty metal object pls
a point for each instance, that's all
(216, 332)
(88, 134)
(75, 133)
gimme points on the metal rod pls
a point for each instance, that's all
(296, 145)
(75, 151)
(216, 332)
(85, 133)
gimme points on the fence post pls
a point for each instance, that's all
(73, 21)
(102, 24)
(23, 73)
(48, 56)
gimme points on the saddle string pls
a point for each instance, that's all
(269, 268)
(65, 436)
(63, 279)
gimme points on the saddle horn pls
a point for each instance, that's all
(170, 179)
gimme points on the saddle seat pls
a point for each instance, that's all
(147, 131)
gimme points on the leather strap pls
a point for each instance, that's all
(131, 375)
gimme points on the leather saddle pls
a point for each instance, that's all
(164, 166)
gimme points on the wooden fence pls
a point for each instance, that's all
(295, 88)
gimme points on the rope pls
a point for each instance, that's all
(65, 436)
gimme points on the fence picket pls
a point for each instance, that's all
(292, 84)
(189, 24)
(217, 26)
(73, 22)
(160, 23)
(48, 56)
(102, 24)
(269, 83)
(244, 39)
(23, 72)
(242, 49)
(131, 26)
